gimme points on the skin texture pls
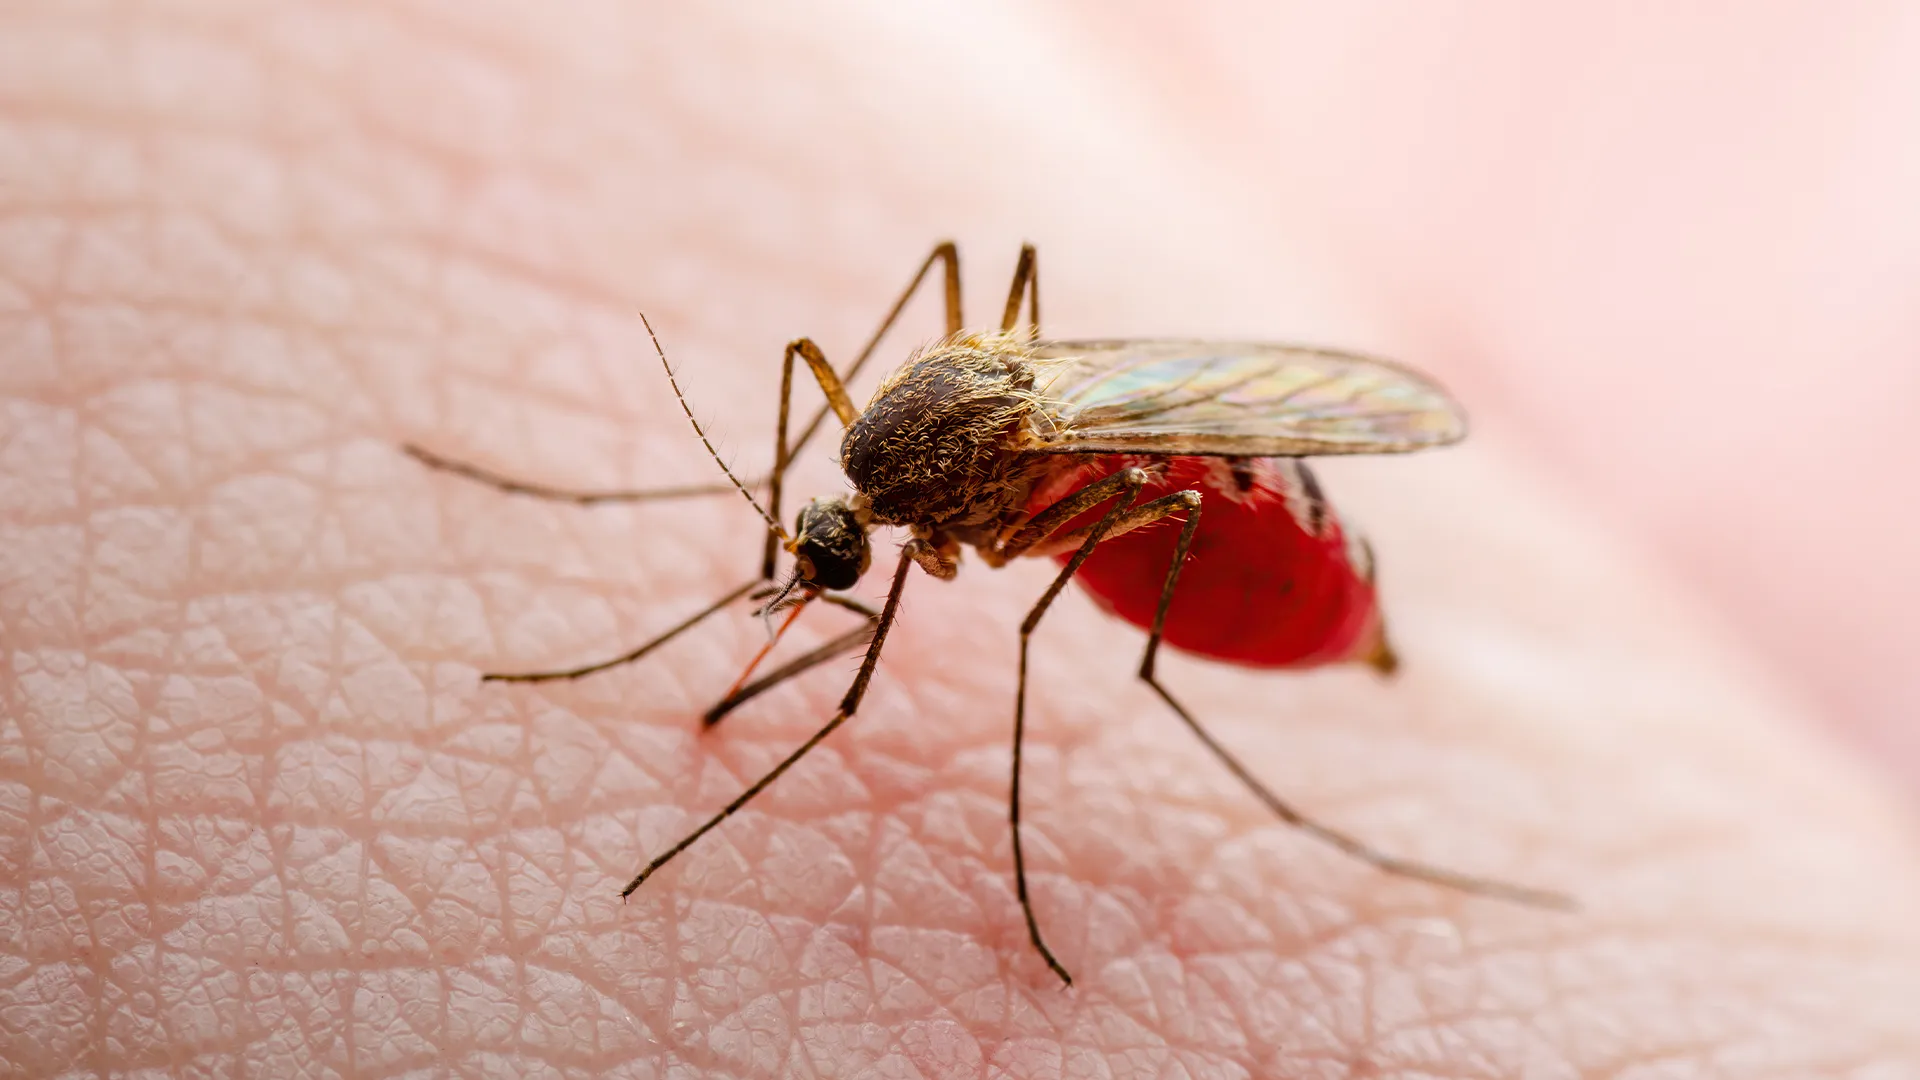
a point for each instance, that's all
(257, 818)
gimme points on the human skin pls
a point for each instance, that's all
(260, 817)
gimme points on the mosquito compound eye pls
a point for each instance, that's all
(830, 547)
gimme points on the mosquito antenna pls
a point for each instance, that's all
(704, 441)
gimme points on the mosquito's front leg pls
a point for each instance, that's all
(781, 457)
(823, 373)
(849, 704)
(944, 252)
(846, 642)
(936, 560)
(626, 657)
(511, 486)
(1026, 284)
(1026, 278)
(1280, 807)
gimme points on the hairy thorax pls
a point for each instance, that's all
(939, 444)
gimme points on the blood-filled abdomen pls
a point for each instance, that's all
(1272, 579)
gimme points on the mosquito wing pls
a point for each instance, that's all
(1232, 398)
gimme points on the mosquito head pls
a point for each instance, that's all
(830, 545)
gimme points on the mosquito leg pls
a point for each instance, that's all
(851, 639)
(1131, 483)
(543, 491)
(848, 705)
(834, 385)
(1382, 659)
(1144, 514)
(1046, 522)
(773, 481)
(846, 642)
(1026, 278)
(1285, 811)
(629, 657)
(849, 603)
(1042, 535)
(770, 553)
(945, 252)
(823, 373)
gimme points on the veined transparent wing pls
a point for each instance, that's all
(1232, 398)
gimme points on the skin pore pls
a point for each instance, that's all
(257, 815)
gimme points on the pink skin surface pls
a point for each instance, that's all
(258, 818)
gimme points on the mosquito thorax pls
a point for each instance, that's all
(830, 544)
(935, 443)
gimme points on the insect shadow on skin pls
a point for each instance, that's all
(1015, 446)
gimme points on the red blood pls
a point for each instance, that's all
(1271, 581)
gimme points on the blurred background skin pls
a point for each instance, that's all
(1667, 255)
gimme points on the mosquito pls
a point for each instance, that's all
(1016, 446)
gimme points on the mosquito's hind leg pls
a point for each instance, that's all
(1281, 808)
